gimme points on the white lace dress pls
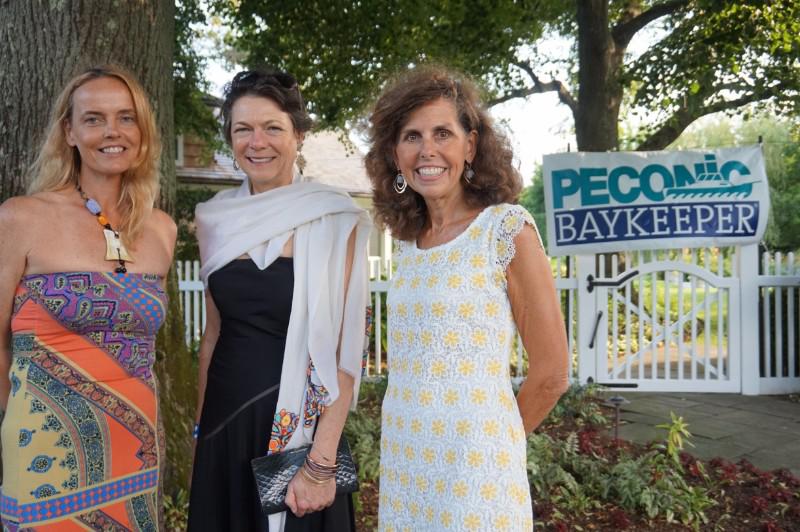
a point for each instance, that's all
(453, 444)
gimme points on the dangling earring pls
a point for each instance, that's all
(469, 173)
(400, 183)
(235, 165)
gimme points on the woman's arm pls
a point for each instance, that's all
(207, 344)
(302, 496)
(167, 232)
(537, 314)
(13, 254)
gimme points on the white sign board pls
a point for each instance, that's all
(615, 201)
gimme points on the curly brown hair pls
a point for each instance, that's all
(495, 181)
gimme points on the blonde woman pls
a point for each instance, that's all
(82, 264)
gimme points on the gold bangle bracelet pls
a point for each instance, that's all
(318, 466)
(313, 480)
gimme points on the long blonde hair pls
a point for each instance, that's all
(58, 164)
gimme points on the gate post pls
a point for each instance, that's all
(587, 315)
(748, 300)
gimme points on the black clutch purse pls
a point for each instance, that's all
(273, 473)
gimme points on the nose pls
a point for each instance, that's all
(427, 148)
(257, 139)
(112, 129)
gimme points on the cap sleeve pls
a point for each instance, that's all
(512, 219)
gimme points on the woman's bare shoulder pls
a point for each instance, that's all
(25, 210)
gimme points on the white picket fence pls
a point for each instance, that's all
(776, 355)
(779, 294)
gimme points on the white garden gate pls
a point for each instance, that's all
(666, 320)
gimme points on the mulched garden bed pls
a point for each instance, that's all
(747, 498)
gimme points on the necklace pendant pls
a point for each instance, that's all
(115, 249)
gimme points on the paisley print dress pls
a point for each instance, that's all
(80, 444)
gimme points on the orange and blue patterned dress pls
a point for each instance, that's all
(80, 442)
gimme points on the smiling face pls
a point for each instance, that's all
(264, 142)
(432, 148)
(103, 127)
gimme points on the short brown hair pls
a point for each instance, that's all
(278, 86)
(496, 180)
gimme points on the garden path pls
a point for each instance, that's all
(763, 429)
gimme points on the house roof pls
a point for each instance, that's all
(327, 160)
(220, 172)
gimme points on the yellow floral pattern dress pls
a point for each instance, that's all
(453, 444)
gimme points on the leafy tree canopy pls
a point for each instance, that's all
(343, 50)
(192, 114)
(706, 55)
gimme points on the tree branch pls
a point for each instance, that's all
(510, 95)
(683, 117)
(539, 87)
(623, 32)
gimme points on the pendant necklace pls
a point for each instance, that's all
(115, 249)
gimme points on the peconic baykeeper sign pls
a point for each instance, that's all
(614, 201)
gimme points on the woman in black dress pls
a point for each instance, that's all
(286, 293)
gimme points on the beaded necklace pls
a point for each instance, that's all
(115, 250)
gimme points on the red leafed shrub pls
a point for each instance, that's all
(560, 527)
(619, 519)
(747, 467)
(543, 511)
(727, 471)
(692, 466)
(588, 442)
(778, 494)
(758, 505)
(771, 526)
(786, 476)
(765, 479)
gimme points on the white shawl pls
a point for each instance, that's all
(321, 218)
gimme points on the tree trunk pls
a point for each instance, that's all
(43, 44)
(599, 93)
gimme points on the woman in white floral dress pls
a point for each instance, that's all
(471, 271)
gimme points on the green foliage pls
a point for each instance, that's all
(363, 429)
(192, 114)
(185, 201)
(176, 511)
(705, 57)
(532, 198)
(177, 387)
(654, 485)
(712, 53)
(575, 482)
(384, 328)
(677, 431)
(783, 231)
(580, 404)
(342, 51)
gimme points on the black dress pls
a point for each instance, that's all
(240, 400)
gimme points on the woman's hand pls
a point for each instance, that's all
(304, 496)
